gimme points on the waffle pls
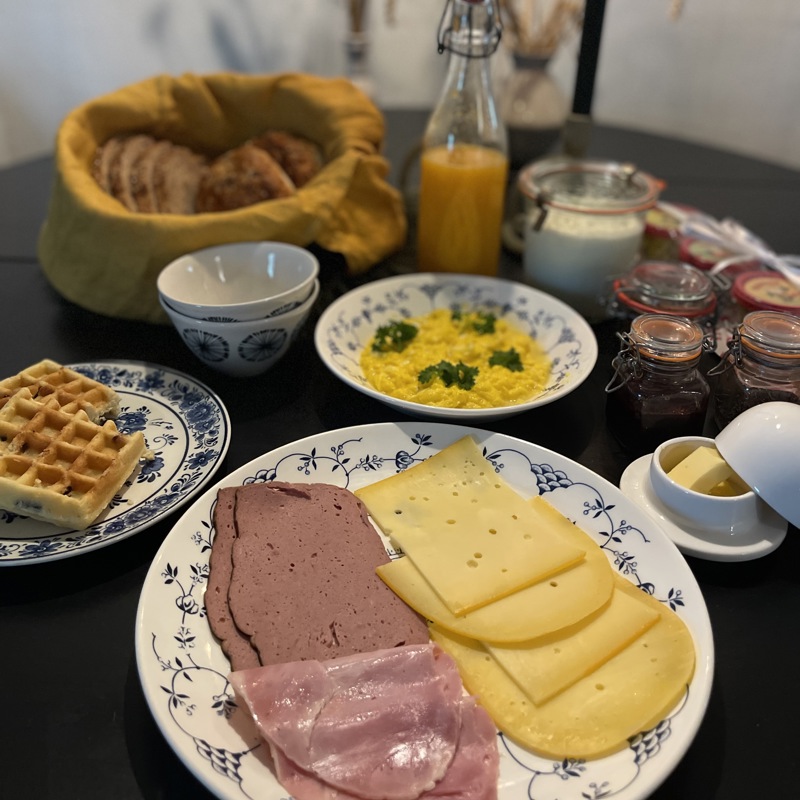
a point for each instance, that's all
(72, 391)
(60, 467)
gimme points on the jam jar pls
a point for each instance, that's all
(762, 364)
(657, 391)
(666, 287)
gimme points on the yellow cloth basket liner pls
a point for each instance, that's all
(105, 258)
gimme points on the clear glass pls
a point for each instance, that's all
(666, 287)
(464, 161)
(762, 365)
(661, 393)
(585, 228)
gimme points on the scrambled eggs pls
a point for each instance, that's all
(455, 359)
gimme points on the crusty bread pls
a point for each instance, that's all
(122, 168)
(142, 176)
(176, 178)
(240, 177)
(157, 176)
(300, 158)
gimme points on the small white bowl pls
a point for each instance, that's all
(242, 349)
(762, 445)
(347, 325)
(239, 281)
(726, 516)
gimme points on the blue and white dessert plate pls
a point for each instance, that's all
(185, 426)
(184, 673)
(348, 324)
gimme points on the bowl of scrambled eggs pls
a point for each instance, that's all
(457, 347)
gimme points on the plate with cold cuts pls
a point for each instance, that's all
(185, 426)
(184, 671)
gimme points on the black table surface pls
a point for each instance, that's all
(73, 719)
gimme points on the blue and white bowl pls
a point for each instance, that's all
(347, 325)
(239, 281)
(242, 349)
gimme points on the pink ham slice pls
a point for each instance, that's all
(472, 775)
(379, 726)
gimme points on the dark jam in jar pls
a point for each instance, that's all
(657, 392)
(762, 364)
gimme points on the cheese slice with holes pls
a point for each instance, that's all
(549, 605)
(597, 714)
(471, 536)
(550, 664)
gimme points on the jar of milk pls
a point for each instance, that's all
(584, 225)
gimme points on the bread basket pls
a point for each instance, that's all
(105, 258)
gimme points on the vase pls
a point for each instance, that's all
(533, 108)
(357, 62)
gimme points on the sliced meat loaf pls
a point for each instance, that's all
(303, 584)
(234, 643)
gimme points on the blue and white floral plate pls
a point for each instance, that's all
(185, 426)
(184, 672)
(347, 325)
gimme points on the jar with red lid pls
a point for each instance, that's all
(760, 290)
(701, 253)
(666, 287)
(761, 365)
(662, 233)
(657, 392)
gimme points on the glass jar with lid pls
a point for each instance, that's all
(584, 226)
(762, 364)
(657, 392)
(666, 287)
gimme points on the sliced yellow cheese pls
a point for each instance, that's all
(472, 537)
(597, 715)
(549, 605)
(550, 664)
(701, 470)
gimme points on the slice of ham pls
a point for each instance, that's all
(379, 726)
(472, 775)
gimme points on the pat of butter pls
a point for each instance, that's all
(702, 470)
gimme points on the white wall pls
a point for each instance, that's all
(727, 72)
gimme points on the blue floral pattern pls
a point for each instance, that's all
(348, 324)
(187, 430)
(184, 673)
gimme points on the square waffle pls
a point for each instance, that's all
(48, 380)
(60, 467)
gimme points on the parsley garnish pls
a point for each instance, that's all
(459, 374)
(394, 337)
(506, 358)
(484, 322)
(479, 321)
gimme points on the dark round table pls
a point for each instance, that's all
(75, 724)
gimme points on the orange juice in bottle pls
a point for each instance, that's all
(462, 192)
(464, 162)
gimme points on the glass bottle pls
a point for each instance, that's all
(762, 364)
(657, 392)
(464, 161)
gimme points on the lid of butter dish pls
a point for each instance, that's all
(762, 445)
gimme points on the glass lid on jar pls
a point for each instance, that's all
(589, 186)
(667, 286)
(773, 332)
(667, 338)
